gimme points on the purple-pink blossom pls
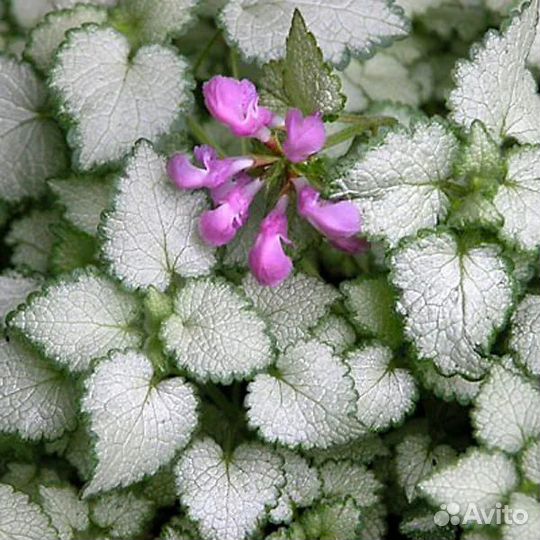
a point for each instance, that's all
(267, 259)
(305, 136)
(236, 104)
(219, 226)
(340, 222)
(232, 187)
(213, 173)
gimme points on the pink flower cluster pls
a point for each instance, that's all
(236, 105)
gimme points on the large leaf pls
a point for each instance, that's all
(385, 394)
(495, 85)
(308, 399)
(22, 519)
(479, 478)
(36, 401)
(507, 411)
(26, 131)
(398, 184)
(260, 28)
(228, 495)
(292, 308)
(79, 319)
(215, 333)
(151, 233)
(518, 199)
(139, 424)
(113, 99)
(463, 298)
(525, 336)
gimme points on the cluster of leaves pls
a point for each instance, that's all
(150, 388)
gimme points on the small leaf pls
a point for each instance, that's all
(20, 518)
(481, 156)
(84, 199)
(67, 512)
(398, 185)
(449, 388)
(525, 340)
(371, 302)
(114, 100)
(139, 425)
(527, 509)
(416, 459)
(228, 495)
(518, 199)
(260, 30)
(495, 86)
(342, 479)
(307, 400)
(303, 80)
(35, 400)
(28, 13)
(122, 514)
(72, 249)
(80, 319)
(335, 519)
(506, 391)
(26, 130)
(32, 239)
(336, 332)
(154, 21)
(292, 308)
(385, 394)
(467, 291)
(301, 489)
(215, 333)
(530, 462)
(151, 233)
(479, 478)
(49, 34)
(14, 288)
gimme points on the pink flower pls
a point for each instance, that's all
(305, 136)
(340, 222)
(214, 173)
(220, 193)
(236, 104)
(218, 227)
(267, 259)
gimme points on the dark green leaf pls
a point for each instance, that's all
(303, 80)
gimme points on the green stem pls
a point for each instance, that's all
(205, 51)
(359, 125)
(368, 121)
(262, 160)
(200, 134)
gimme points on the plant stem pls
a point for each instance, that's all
(359, 124)
(205, 51)
(367, 121)
(200, 134)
